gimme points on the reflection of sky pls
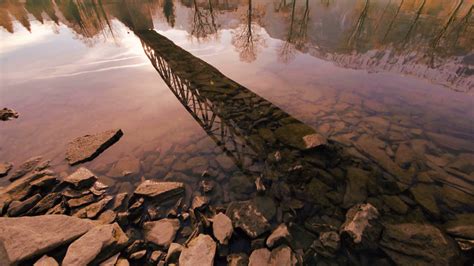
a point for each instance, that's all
(61, 55)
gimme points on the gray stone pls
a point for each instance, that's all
(5, 167)
(46, 261)
(279, 234)
(88, 147)
(174, 252)
(360, 225)
(260, 257)
(159, 190)
(200, 251)
(248, 217)
(45, 204)
(162, 232)
(77, 202)
(81, 178)
(96, 245)
(418, 244)
(222, 228)
(28, 237)
(8, 114)
(91, 211)
(17, 208)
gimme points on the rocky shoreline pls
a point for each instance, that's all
(73, 219)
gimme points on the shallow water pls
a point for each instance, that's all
(391, 82)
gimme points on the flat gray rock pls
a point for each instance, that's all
(161, 232)
(98, 244)
(27, 237)
(82, 177)
(88, 147)
(159, 190)
(200, 251)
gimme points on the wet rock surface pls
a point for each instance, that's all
(26, 237)
(88, 147)
(5, 168)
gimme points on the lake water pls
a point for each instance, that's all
(390, 82)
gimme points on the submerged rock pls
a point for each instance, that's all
(361, 225)
(418, 244)
(124, 167)
(247, 216)
(299, 136)
(88, 147)
(81, 178)
(8, 114)
(222, 228)
(161, 232)
(5, 167)
(425, 196)
(462, 226)
(96, 245)
(356, 188)
(200, 251)
(27, 237)
(26, 167)
(159, 190)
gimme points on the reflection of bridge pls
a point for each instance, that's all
(244, 124)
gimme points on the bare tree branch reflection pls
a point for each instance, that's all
(203, 25)
(247, 38)
(297, 36)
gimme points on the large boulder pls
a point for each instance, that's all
(161, 232)
(200, 251)
(27, 237)
(159, 190)
(88, 147)
(96, 245)
(418, 244)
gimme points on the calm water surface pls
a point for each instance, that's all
(391, 81)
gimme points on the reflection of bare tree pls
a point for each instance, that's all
(359, 25)
(393, 20)
(247, 38)
(297, 36)
(441, 33)
(415, 21)
(203, 23)
(168, 11)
